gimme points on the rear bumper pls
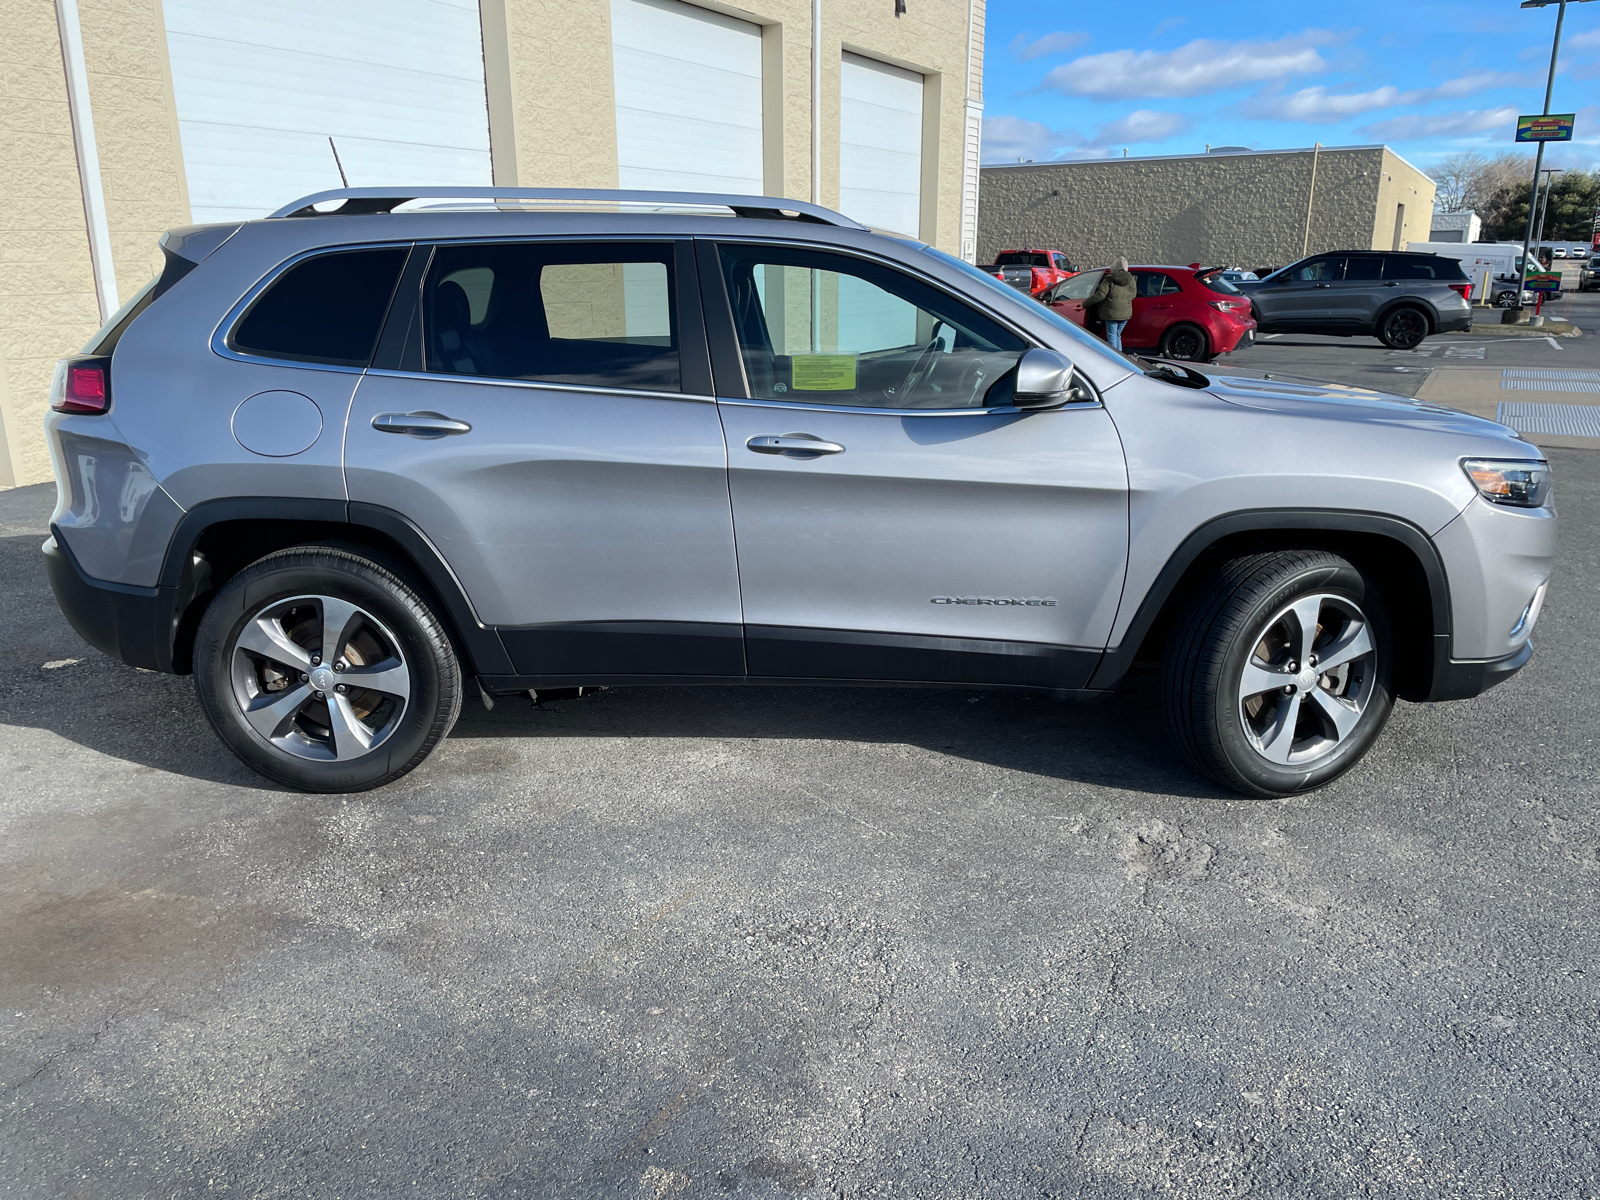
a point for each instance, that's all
(1454, 679)
(130, 623)
(1455, 322)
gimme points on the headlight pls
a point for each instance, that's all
(1519, 483)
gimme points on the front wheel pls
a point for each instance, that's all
(322, 669)
(1278, 674)
(1185, 342)
(1403, 329)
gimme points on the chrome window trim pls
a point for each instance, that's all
(497, 381)
(1070, 406)
(221, 335)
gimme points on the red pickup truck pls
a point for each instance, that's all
(1031, 271)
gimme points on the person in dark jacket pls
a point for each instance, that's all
(1112, 301)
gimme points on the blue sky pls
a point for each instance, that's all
(1086, 80)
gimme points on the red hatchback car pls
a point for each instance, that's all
(1180, 312)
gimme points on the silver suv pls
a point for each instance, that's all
(1397, 297)
(347, 462)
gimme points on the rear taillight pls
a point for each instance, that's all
(1228, 306)
(81, 385)
(1464, 290)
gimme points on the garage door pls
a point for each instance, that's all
(261, 86)
(880, 144)
(688, 92)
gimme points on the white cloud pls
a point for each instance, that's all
(1025, 46)
(1191, 70)
(1584, 40)
(1319, 104)
(1169, 23)
(1455, 124)
(1141, 125)
(1006, 139)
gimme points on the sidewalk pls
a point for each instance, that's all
(1551, 407)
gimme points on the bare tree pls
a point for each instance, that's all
(1456, 174)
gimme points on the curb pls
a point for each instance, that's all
(1527, 331)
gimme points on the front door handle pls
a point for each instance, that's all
(1391, 283)
(419, 424)
(1324, 285)
(795, 445)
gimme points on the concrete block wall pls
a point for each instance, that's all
(1238, 209)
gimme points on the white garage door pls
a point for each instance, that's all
(688, 87)
(261, 86)
(880, 144)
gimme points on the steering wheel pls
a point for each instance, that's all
(920, 368)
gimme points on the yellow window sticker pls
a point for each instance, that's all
(823, 372)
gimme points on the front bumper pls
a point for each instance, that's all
(130, 623)
(1454, 679)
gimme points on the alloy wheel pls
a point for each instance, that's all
(1406, 327)
(319, 678)
(1308, 681)
(1185, 344)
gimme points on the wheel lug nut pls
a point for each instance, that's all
(341, 688)
(1287, 691)
(319, 695)
(316, 660)
(304, 677)
(339, 666)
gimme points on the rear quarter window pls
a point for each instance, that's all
(327, 309)
(1423, 268)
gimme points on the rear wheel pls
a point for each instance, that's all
(1277, 676)
(1186, 342)
(324, 670)
(1403, 328)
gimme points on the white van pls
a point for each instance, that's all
(1501, 264)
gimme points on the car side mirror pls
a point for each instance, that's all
(1044, 380)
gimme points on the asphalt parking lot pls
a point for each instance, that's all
(685, 943)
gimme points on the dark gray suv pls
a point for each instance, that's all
(1400, 298)
(346, 463)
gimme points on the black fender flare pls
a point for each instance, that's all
(481, 644)
(1116, 661)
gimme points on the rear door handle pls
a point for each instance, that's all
(1324, 285)
(1391, 283)
(792, 444)
(419, 424)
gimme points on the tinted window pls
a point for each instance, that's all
(598, 314)
(1407, 267)
(1221, 282)
(1363, 266)
(1021, 258)
(1156, 283)
(827, 329)
(327, 309)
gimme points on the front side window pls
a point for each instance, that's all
(829, 329)
(327, 309)
(1079, 287)
(596, 314)
(1316, 270)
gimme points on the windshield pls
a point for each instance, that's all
(1218, 282)
(992, 285)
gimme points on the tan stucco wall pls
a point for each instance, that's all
(47, 299)
(1237, 209)
(1402, 184)
(562, 91)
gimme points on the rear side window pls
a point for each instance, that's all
(327, 309)
(597, 314)
(1360, 267)
(1219, 282)
(1422, 268)
(1156, 283)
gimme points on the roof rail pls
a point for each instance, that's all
(367, 200)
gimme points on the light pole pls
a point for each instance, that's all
(1538, 160)
(1544, 206)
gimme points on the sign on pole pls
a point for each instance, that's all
(1553, 127)
(1543, 283)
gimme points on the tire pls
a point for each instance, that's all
(381, 706)
(1403, 328)
(1225, 709)
(1186, 343)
